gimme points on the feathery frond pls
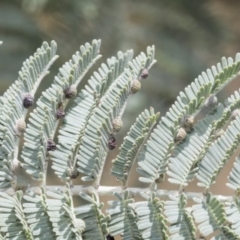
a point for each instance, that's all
(76, 120)
(123, 218)
(44, 120)
(151, 221)
(183, 166)
(233, 215)
(133, 144)
(181, 222)
(13, 220)
(18, 98)
(234, 178)
(61, 213)
(218, 154)
(36, 212)
(95, 221)
(99, 131)
(198, 94)
(209, 212)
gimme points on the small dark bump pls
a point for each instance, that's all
(109, 237)
(70, 92)
(112, 143)
(28, 100)
(60, 113)
(51, 145)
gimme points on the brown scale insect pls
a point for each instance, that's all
(181, 135)
(60, 113)
(112, 143)
(51, 145)
(70, 92)
(135, 86)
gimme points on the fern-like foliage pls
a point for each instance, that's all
(210, 213)
(179, 147)
(233, 213)
(44, 120)
(15, 102)
(35, 208)
(79, 115)
(61, 213)
(218, 154)
(151, 221)
(13, 223)
(181, 222)
(184, 165)
(133, 144)
(123, 217)
(96, 136)
(234, 176)
(200, 93)
(96, 222)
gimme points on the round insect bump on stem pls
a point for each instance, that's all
(20, 126)
(112, 143)
(181, 135)
(235, 113)
(160, 178)
(60, 113)
(144, 74)
(136, 86)
(188, 123)
(70, 92)
(73, 173)
(28, 100)
(51, 145)
(117, 124)
(211, 101)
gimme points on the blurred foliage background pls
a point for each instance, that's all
(189, 36)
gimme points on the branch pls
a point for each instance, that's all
(110, 190)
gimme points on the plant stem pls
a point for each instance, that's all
(110, 190)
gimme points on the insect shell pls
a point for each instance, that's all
(112, 142)
(136, 86)
(71, 91)
(181, 135)
(60, 113)
(188, 122)
(117, 124)
(211, 101)
(51, 145)
(28, 100)
(20, 126)
(73, 173)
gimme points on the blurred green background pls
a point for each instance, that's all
(190, 36)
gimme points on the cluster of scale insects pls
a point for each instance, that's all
(71, 92)
(187, 122)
